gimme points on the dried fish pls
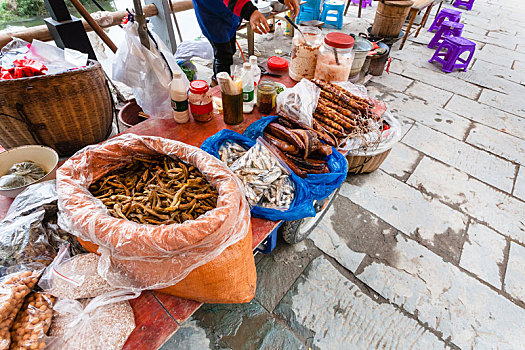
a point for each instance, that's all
(229, 152)
(158, 190)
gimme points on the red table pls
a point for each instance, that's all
(157, 315)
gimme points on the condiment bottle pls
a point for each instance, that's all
(179, 98)
(335, 58)
(266, 95)
(247, 89)
(256, 71)
(201, 101)
(304, 54)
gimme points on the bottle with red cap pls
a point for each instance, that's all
(201, 101)
(335, 58)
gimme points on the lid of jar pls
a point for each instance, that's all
(339, 40)
(277, 63)
(199, 87)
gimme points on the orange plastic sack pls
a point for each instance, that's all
(153, 257)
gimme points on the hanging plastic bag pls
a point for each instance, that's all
(319, 185)
(102, 323)
(145, 71)
(299, 102)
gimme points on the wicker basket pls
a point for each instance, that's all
(65, 111)
(366, 164)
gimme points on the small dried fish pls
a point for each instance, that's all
(230, 152)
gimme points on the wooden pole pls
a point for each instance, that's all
(100, 32)
(141, 20)
(42, 33)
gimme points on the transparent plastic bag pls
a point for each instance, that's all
(74, 277)
(21, 174)
(146, 72)
(131, 253)
(32, 322)
(299, 102)
(14, 50)
(102, 323)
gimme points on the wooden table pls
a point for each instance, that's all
(157, 315)
(417, 7)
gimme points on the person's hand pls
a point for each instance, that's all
(259, 23)
(293, 6)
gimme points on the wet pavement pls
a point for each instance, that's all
(429, 251)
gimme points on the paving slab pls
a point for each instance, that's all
(515, 277)
(475, 162)
(497, 71)
(429, 93)
(519, 186)
(401, 161)
(393, 81)
(403, 207)
(460, 307)
(509, 103)
(490, 116)
(325, 304)
(498, 210)
(483, 254)
(497, 142)
(491, 82)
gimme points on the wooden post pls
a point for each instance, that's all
(143, 27)
(162, 24)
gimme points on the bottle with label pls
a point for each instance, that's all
(248, 90)
(179, 98)
(256, 71)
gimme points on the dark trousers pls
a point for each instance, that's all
(223, 53)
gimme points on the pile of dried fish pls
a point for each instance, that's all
(343, 114)
(265, 180)
(230, 152)
(161, 190)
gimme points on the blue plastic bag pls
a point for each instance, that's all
(302, 204)
(320, 185)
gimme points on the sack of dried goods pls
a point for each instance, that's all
(272, 190)
(102, 323)
(305, 150)
(13, 289)
(157, 210)
(32, 322)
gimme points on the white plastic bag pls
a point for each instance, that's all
(300, 101)
(202, 48)
(145, 71)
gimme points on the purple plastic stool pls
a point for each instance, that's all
(447, 29)
(454, 46)
(467, 3)
(365, 3)
(445, 14)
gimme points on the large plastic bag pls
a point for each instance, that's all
(202, 48)
(320, 185)
(102, 323)
(302, 205)
(300, 101)
(22, 174)
(145, 71)
(131, 253)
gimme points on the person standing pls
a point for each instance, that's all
(220, 19)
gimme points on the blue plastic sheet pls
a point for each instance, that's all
(320, 185)
(302, 204)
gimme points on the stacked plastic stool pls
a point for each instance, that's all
(365, 3)
(466, 3)
(450, 15)
(333, 13)
(445, 30)
(454, 46)
(309, 11)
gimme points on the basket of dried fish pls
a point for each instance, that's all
(306, 151)
(273, 191)
(145, 202)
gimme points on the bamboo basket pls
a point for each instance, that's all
(65, 111)
(366, 164)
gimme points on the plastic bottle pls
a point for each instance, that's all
(256, 71)
(179, 98)
(278, 35)
(247, 88)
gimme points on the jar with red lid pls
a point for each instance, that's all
(201, 101)
(335, 58)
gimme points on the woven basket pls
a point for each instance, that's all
(65, 111)
(366, 164)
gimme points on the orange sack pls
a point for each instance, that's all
(208, 259)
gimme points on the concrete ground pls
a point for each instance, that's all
(427, 252)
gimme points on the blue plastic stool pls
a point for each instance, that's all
(450, 15)
(329, 17)
(310, 11)
(269, 243)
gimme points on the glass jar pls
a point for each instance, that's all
(201, 101)
(266, 94)
(335, 58)
(304, 54)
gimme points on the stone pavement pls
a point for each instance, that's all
(429, 251)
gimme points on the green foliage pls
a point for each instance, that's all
(28, 8)
(16, 9)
